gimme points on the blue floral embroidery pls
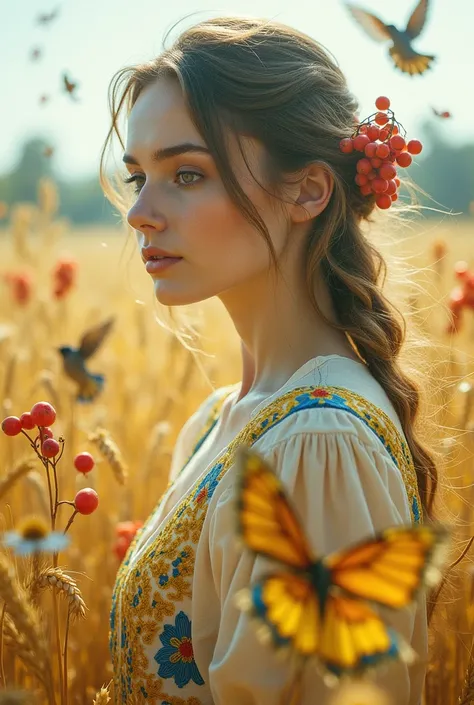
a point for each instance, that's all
(415, 510)
(207, 486)
(176, 658)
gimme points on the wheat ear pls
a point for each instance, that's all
(24, 615)
(102, 697)
(58, 580)
(110, 450)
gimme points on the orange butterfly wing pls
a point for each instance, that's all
(392, 567)
(267, 523)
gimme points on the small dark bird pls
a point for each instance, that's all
(46, 18)
(70, 87)
(89, 385)
(404, 56)
(443, 114)
(36, 54)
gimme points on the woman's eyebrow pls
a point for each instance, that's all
(167, 152)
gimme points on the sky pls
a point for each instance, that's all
(92, 39)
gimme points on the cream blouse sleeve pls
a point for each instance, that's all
(344, 490)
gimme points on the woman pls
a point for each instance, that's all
(269, 221)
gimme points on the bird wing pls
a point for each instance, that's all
(374, 27)
(93, 337)
(417, 20)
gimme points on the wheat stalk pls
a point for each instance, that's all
(109, 449)
(24, 615)
(102, 696)
(36, 482)
(20, 646)
(467, 694)
(8, 480)
(56, 579)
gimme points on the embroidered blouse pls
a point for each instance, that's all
(176, 636)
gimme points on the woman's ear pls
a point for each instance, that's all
(313, 194)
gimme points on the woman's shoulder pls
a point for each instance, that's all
(339, 408)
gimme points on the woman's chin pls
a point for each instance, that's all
(169, 297)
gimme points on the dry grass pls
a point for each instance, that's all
(152, 387)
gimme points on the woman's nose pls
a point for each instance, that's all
(142, 215)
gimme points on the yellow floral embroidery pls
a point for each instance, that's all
(151, 642)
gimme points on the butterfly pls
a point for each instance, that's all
(326, 607)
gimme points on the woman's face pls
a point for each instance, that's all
(183, 207)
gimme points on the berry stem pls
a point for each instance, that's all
(56, 487)
(70, 520)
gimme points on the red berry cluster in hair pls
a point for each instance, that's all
(384, 148)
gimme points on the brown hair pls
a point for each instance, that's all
(264, 79)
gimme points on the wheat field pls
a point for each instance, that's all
(152, 386)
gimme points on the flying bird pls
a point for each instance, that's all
(70, 87)
(74, 361)
(442, 114)
(404, 56)
(46, 18)
(35, 54)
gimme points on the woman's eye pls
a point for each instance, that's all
(193, 173)
(136, 178)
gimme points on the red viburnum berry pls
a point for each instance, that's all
(46, 432)
(397, 181)
(11, 426)
(376, 162)
(414, 146)
(84, 462)
(361, 179)
(383, 151)
(397, 142)
(366, 189)
(384, 134)
(387, 171)
(392, 188)
(370, 149)
(381, 119)
(50, 448)
(86, 501)
(360, 141)
(27, 422)
(394, 196)
(43, 414)
(373, 132)
(382, 103)
(404, 159)
(363, 166)
(383, 201)
(379, 185)
(346, 145)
